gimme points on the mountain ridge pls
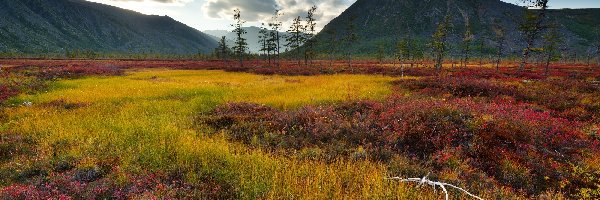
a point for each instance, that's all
(35, 26)
(383, 21)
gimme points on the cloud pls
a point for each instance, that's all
(158, 1)
(262, 10)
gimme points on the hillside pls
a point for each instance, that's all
(251, 37)
(42, 26)
(383, 22)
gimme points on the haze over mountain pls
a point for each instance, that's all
(251, 37)
(383, 22)
(56, 26)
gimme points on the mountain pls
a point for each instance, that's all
(251, 37)
(383, 22)
(56, 26)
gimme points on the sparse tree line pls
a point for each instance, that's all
(542, 41)
(541, 36)
(299, 41)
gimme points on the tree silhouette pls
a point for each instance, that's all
(350, 38)
(481, 49)
(440, 41)
(332, 44)
(240, 42)
(465, 46)
(265, 42)
(222, 50)
(276, 25)
(403, 52)
(552, 40)
(499, 39)
(296, 37)
(532, 26)
(309, 51)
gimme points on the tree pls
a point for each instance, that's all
(309, 51)
(552, 40)
(240, 42)
(440, 42)
(465, 46)
(222, 49)
(351, 38)
(403, 53)
(332, 43)
(265, 42)
(296, 37)
(481, 49)
(275, 25)
(532, 26)
(500, 39)
(418, 51)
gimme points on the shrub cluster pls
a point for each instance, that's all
(518, 144)
(6, 92)
(75, 71)
(564, 97)
(76, 185)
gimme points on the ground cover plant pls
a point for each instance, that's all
(130, 129)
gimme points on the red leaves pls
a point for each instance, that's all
(486, 134)
(64, 186)
(6, 92)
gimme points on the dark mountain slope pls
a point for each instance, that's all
(39, 26)
(383, 22)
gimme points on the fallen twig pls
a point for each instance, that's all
(424, 180)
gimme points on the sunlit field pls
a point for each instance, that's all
(97, 132)
(142, 123)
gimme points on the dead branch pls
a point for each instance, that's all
(434, 184)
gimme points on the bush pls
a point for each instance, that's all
(520, 145)
(566, 98)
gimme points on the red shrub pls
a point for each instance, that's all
(67, 186)
(496, 137)
(6, 92)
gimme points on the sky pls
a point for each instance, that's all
(217, 14)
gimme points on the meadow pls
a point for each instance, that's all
(118, 130)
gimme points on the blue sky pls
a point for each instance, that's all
(216, 14)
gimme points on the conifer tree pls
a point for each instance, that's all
(276, 25)
(403, 53)
(350, 38)
(552, 40)
(465, 46)
(296, 37)
(481, 49)
(240, 42)
(222, 50)
(531, 27)
(499, 39)
(265, 42)
(440, 41)
(311, 25)
(331, 43)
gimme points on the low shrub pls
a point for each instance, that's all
(148, 186)
(518, 144)
(566, 98)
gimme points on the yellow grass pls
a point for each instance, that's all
(144, 121)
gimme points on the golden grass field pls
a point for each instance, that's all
(144, 121)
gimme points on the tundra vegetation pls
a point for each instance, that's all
(323, 129)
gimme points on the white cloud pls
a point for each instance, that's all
(159, 1)
(261, 10)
